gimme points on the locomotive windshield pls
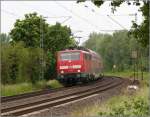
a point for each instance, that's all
(70, 56)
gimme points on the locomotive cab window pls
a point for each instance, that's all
(70, 56)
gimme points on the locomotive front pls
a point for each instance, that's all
(69, 66)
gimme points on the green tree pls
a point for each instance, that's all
(55, 38)
(93, 41)
(140, 32)
(29, 30)
(20, 64)
(136, 107)
(34, 64)
(116, 50)
(59, 37)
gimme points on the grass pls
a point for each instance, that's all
(7, 90)
(117, 105)
(124, 104)
(14, 89)
(130, 74)
(54, 84)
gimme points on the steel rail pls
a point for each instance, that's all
(61, 100)
(6, 109)
(38, 93)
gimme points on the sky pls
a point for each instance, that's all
(83, 18)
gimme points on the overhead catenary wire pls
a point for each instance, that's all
(30, 7)
(84, 19)
(10, 13)
(52, 15)
(66, 19)
(109, 16)
(116, 22)
(93, 11)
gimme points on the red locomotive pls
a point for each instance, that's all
(78, 65)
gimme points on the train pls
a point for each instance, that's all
(78, 64)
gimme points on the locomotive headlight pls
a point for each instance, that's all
(62, 71)
(78, 70)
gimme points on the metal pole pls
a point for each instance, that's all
(134, 68)
(41, 46)
(141, 66)
(137, 63)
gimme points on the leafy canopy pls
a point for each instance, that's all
(34, 28)
(116, 50)
(59, 37)
(29, 30)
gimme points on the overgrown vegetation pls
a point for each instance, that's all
(20, 64)
(23, 54)
(129, 74)
(14, 89)
(28, 52)
(126, 104)
(20, 88)
(22, 50)
(135, 105)
(116, 50)
(53, 84)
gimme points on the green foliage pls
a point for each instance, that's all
(53, 84)
(141, 32)
(20, 64)
(58, 37)
(129, 105)
(98, 2)
(50, 72)
(15, 89)
(117, 2)
(123, 105)
(34, 64)
(135, 107)
(8, 90)
(29, 30)
(116, 50)
(55, 37)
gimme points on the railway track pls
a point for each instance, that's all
(30, 94)
(47, 103)
(36, 98)
(36, 93)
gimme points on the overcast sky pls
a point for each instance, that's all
(83, 18)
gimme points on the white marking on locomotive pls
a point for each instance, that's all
(63, 67)
(76, 66)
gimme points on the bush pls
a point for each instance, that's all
(20, 64)
(54, 84)
(136, 105)
(8, 90)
